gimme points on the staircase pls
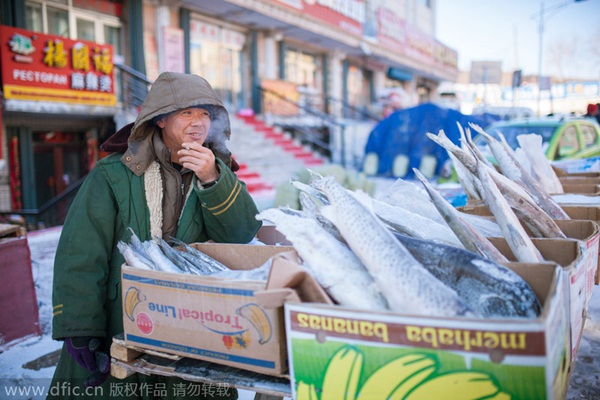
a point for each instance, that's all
(267, 156)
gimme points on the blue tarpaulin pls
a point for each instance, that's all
(404, 133)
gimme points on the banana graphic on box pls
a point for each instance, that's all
(133, 297)
(396, 378)
(343, 374)
(460, 385)
(409, 377)
(258, 319)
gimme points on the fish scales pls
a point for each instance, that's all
(312, 209)
(536, 219)
(513, 170)
(332, 263)
(516, 237)
(177, 257)
(408, 196)
(531, 144)
(471, 238)
(203, 261)
(133, 258)
(158, 257)
(405, 283)
(408, 222)
(490, 288)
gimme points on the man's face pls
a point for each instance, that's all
(185, 125)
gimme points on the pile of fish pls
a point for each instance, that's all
(513, 194)
(381, 254)
(411, 251)
(158, 255)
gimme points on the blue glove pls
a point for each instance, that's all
(86, 352)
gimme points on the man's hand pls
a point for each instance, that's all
(199, 159)
(86, 352)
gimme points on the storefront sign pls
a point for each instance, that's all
(50, 68)
(347, 15)
(232, 39)
(419, 45)
(174, 49)
(445, 57)
(200, 31)
(110, 7)
(392, 30)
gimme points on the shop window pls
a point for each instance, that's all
(58, 21)
(34, 19)
(358, 87)
(590, 138)
(53, 16)
(212, 45)
(85, 30)
(111, 36)
(301, 68)
(568, 143)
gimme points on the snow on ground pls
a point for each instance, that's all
(13, 374)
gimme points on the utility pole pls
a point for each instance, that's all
(542, 16)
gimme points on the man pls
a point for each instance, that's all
(165, 182)
(592, 111)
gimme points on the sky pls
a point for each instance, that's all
(507, 31)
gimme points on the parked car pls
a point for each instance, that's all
(562, 138)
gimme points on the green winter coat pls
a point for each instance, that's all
(118, 195)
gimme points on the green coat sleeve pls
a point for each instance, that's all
(82, 261)
(227, 210)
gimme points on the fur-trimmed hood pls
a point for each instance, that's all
(170, 92)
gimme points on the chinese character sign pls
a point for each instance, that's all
(50, 68)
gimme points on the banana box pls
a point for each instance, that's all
(567, 253)
(218, 320)
(580, 228)
(591, 189)
(591, 213)
(343, 353)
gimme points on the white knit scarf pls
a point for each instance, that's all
(153, 187)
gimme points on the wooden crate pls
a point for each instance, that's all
(127, 360)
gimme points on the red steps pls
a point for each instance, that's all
(281, 140)
(254, 182)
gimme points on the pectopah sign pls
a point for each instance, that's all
(49, 68)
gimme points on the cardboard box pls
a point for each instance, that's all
(568, 254)
(340, 350)
(269, 235)
(579, 180)
(583, 188)
(232, 322)
(575, 230)
(590, 198)
(591, 213)
(562, 173)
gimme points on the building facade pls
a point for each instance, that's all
(331, 54)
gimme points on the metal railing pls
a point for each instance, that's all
(134, 86)
(306, 121)
(347, 110)
(52, 213)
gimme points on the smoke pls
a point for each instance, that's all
(219, 133)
